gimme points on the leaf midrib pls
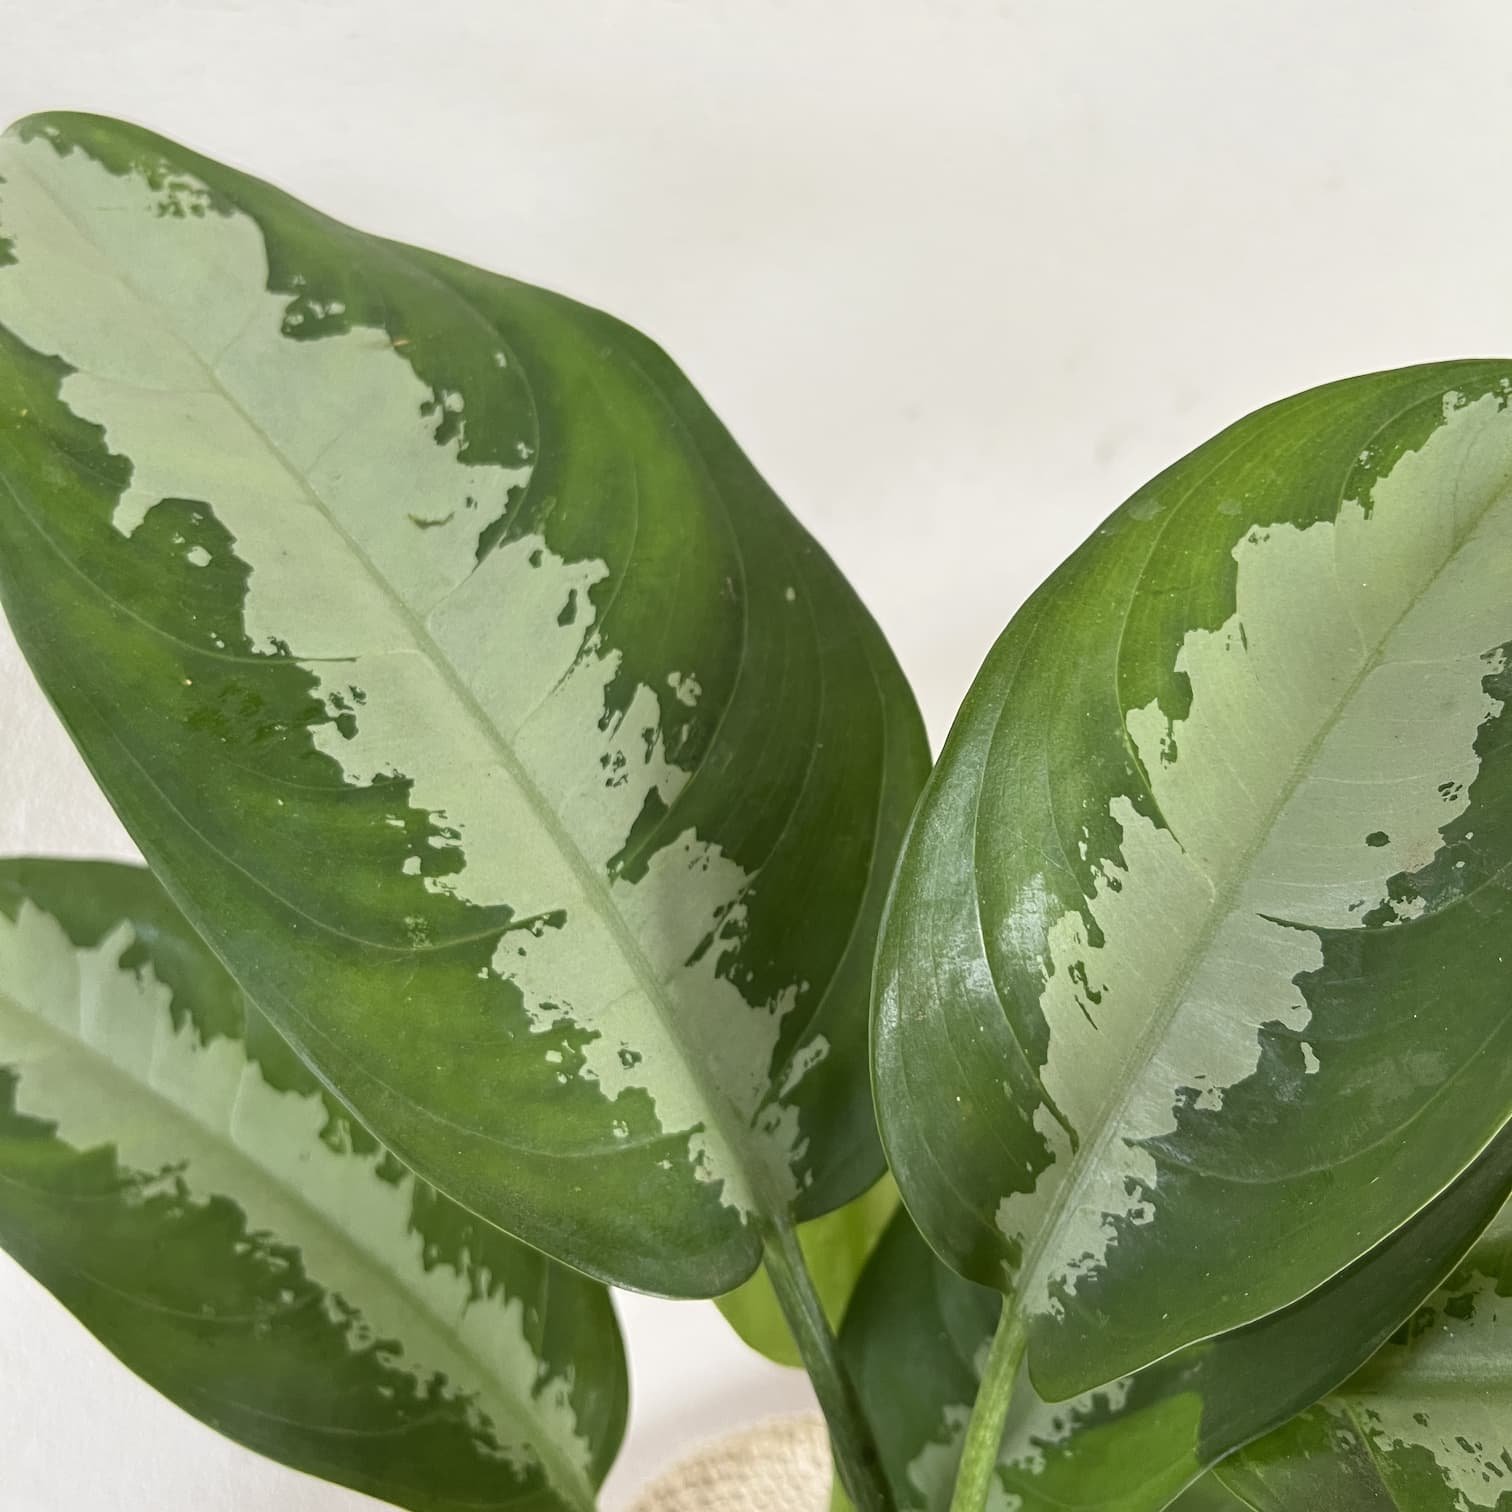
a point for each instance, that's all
(594, 888)
(1106, 1125)
(560, 1470)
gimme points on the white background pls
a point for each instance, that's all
(960, 275)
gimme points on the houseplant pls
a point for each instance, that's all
(522, 788)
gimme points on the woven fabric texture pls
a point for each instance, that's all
(781, 1466)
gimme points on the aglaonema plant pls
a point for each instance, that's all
(548, 888)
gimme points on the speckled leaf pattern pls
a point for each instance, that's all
(917, 1335)
(1194, 984)
(527, 762)
(836, 1248)
(1426, 1426)
(172, 1173)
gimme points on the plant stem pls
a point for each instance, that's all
(857, 1461)
(984, 1434)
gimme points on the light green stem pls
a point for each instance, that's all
(857, 1461)
(984, 1434)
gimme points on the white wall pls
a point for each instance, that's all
(960, 275)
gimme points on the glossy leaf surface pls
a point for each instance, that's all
(173, 1175)
(1426, 1426)
(1193, 986)
(917, 1334)
(528, 763)
(836, 1247)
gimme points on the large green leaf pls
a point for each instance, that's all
(917, 1333)
(1426, 1426)
(171, 1172)
(836, 1248)
(1193, 985)
(526, 761)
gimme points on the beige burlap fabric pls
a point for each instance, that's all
(781, 1466)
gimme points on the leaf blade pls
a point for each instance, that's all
(1171, 994)
(468, 583)
(179, 1182)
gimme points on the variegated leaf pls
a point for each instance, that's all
(917, 1334)
(1194, 984)
(530, 766)
(173, 1175)
(1426, 1426)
